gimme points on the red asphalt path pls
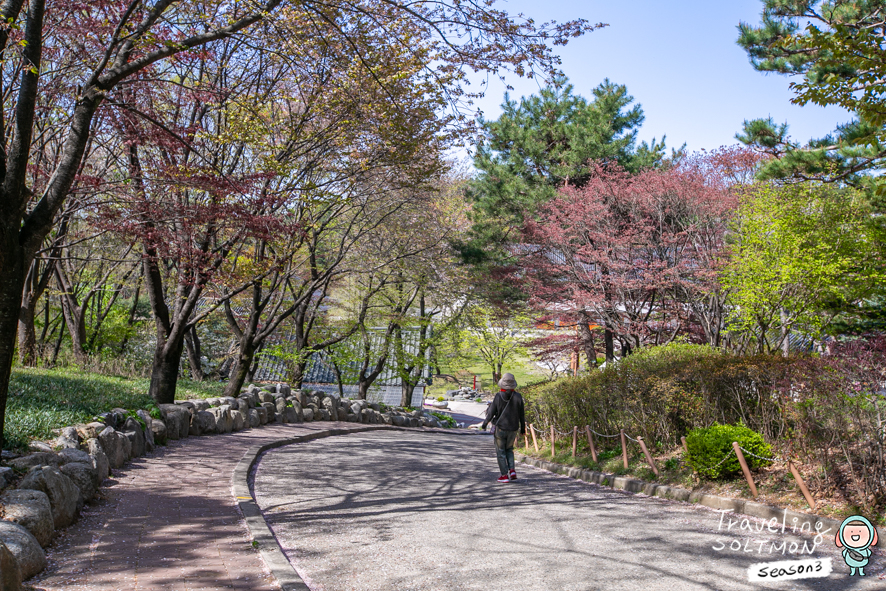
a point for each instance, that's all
(168, 521)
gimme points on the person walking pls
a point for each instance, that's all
(507, 416)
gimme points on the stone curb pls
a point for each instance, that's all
(270, 549)
(676, 493)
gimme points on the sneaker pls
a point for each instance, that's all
(503, 478)
(512, 475)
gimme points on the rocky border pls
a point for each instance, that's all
(268, 546)
(63, 475)
(676, 493)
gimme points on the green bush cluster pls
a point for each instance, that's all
(708, 446)
(826, 411)
(662, 393)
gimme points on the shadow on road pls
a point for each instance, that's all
(382, 484)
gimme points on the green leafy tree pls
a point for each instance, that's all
(801, 255)
(493, 335)
(835, 48)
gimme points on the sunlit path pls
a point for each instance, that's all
(397, 510)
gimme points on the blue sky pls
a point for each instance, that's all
(679, 60)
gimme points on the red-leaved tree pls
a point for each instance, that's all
(634, 254)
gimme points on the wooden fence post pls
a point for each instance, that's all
(624, 448)
(648, 456)
(744, 468)
(534, 440)
(591, 442)
(802, 484)
(574, 440)
(685, 445)
(553, 443)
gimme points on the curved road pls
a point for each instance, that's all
(395, 510)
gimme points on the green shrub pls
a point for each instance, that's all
(445, 419)
(672, 464)
(663, 392)
(441, 398)
(709, 445)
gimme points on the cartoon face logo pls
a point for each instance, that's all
(856, 536)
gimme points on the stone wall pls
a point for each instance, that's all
(43, 491)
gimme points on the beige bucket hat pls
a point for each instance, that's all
(508, 382)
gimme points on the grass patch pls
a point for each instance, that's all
(41, 400)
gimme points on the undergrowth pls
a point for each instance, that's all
(41, 400)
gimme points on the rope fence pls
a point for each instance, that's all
(737, 450)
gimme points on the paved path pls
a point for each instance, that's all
(421, 511)
(466, 413)
(168, 521)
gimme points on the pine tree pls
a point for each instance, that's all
(835, 49)
(542, 144)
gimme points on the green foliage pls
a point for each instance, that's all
(41, 400)
(445, 419)
(838, 57)
(800, 255)
(291, 357)
(661, 393)
(488, 333)
(710, 445)
(115, 328)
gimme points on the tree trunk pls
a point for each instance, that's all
(241, 368)
(27, 333)
(785, 333)
(192, 344)
(587, 340)
(407, 389)
(75, 315)
(36, 282)
(12, 282)
(364, 380)
(164, 371)
(58, 341)
(298, 373)
(130, 320)
(609, 344)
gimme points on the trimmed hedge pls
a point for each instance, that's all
(664, 392)
(828, 412)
